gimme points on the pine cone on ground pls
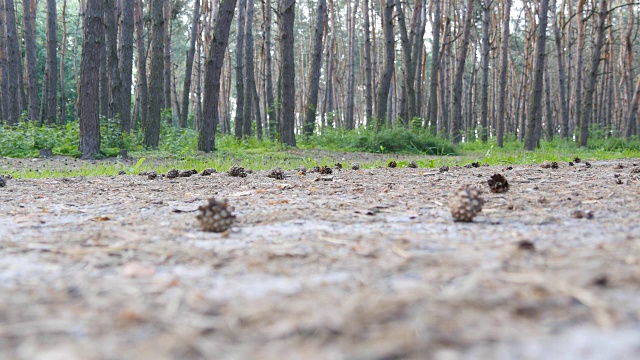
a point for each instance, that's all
(187, 173)
(355, 166)
(465, 204)
(324, 170)
(316, 169)
(276, 174)
(207, 172)
(338, 166)
(151, 175)
(3, 181)
(413, 165)
(444, 169)
(216, 216)
(498, 184)
(237, 171)
(172, 174)
(392, 164)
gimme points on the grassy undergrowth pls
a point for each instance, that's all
(178, 150)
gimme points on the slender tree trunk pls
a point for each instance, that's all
(186, 89)
(28, 19)
(408, 66)
(13, 67)
(240, 46)
(125, 57)
(564, 107)
(249, 71)
(142, 83)
(213, 70)
(152, 131)
(632, 127)
(314, 73)
(592, 75)
(547, 102)
(386, 72)
(287, 72)
(166, 40)
(456, 123)
(111, 42)
(4, 66)
(534, 121)
(368, 72)
(432, 114)
(89, 74)
(272, 122)
(579, 62)
(504, 64)
(484, 101)
(104, 76)
(62, 117)
(351, 65)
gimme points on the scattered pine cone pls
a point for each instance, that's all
(413, 165)
(355, 166)
(587, 164)
(579, 214)
(316, 169)
(498, 184)
(577, 160)
(549, 165)
(151, 175)
(324, 170)
(570, 163)
(172, 174)
(3, 181)
(237, 171)
(338, 166)
(392, 164)
(122, 172)
(216, 216)
(444, 169)
(187, 173)
(276, 174)
(465, 204)
(207, 172)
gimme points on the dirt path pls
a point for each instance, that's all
(361, 264)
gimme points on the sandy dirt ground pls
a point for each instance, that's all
(364, 264)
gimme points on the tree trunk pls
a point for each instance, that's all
(504, 52)
(407, 63)
(432, 113)
(592, 75)
(240, 46)
(351, 65)
(249, 71)
(166, 47)
(89, 74)
(579, 62)
(367, 63)
(287, 72)
(29, 16)
(62, 117)
(386, 72)
(484, 91)
(4, 66)
(126, 63)
(152, 131)
(534, 121)
(314, 73)
(564, 107)
(104, 76)
(142, 83)
(633, 113)
(213, 69)
(272, 122)
(14, 67)
(111, 42)
(186, 89)
(456, 123)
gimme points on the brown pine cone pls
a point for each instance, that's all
(216, 216)
(465, 203)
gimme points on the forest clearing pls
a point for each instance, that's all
(356, 264)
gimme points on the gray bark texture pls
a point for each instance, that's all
(14, 66)
(89, 74)
(367, 63)
(125, 57)
(564, 106)
(456, 123)
(484, 100)
(382, 93)
(249, 75)
(186, 89)
(504, 63)
(287, 13)
(28, 19)
(142, 84)
(156, 94)
(240, 46)
(314, 73)
(111, 42)
(534, 115)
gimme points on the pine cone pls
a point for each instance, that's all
(237, 171)
(172, 174)
(465, 204)
(316, 169)
(355, 166)
(152, 175)
(444, 169)
(413, 165)
(216, 216)
(276, 174)
(207, 172)
(498, 184)
(324, 170)
(187, 173)
(3, 181)
(577, 160)
(392, 164)
(338, 166)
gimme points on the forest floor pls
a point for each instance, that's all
(363, 264)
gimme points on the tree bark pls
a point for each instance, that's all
(484, 101)
(111, 42)
(504, 64)
(166, 47)
(456, 123)
(314, 73)
(534, 118)
(286, 11)
(432, 113)
(367, 63)
(585, 116)
(249, 71)
(156, 93)
(272, 122)
(186, 89)
(240, 46)
(4, 66)
(125, 65)
(564, 107)
(632, 128)
(213, 69)
(89, 74)
(14, 66)
(351, 65)
(382, 93)
(407, 63)
(142, 83)
(579, 62)
(28, 19)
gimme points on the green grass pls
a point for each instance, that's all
(178, 150)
